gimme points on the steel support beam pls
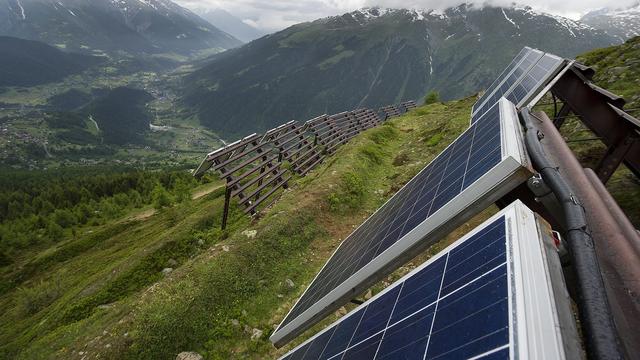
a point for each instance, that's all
(600, 111)
(561, 116)
(617, 245)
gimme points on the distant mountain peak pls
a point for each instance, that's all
(514, 15)
(622, 23)
(111, 26)
(372, 56)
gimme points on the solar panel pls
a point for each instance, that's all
(534, 71)
(479, 167)
(497, 293)
(507, 83)
(505, 73)
(540, 73)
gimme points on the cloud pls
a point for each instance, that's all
(274, 15)
(569, 8)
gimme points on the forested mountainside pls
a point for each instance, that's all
(28, 63)
(112, 26)
(371, 57)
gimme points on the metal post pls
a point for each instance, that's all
(225, 212)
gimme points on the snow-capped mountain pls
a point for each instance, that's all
(371, 57)
(132, 26)
(621, 23)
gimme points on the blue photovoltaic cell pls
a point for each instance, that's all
(523, 67)
(534, 70)
(541, 71)
(472, 155)
(514, 63)
(456, 307)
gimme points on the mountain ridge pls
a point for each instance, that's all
(622, 23)
(29, 63)
(370, 57)
(112, 26)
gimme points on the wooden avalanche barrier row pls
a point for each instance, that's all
(257, 167)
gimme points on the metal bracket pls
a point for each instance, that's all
(545, 196)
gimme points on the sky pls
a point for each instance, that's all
(274, 15)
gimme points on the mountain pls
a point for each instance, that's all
(29, 63)
(371, 57)
(621, 23)
(225, 21)
(121, 115)
(88, 267)
(132, 26)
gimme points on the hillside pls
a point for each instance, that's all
(152, 130)
(131, 26)
(154, 313)
(134, 286)
(29, 63)
(121, 115)
(371, 57)
(618, 70)
(131, 264)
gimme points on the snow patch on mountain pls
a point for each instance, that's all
(509, 19)
(22, 14)
(621, 23)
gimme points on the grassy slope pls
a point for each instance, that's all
(193, 307)
(60, 287)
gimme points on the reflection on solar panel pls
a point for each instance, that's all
(541, 72)
(483, 164)
(532, 73)
(497, 293)
(505, 73)
(523, 66)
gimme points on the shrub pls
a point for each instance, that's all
(33, 299)
(350, 194)
(432, 98)
(161, 197)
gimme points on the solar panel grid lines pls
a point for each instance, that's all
(536, 78)
(508, 83)
(527, 83)
(489, 295)
(503, 75)
(536, 95)
(425, 208)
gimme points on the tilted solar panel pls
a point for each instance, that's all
(497, 293)
(509, 82)
(505, 73)
(535, 79)
(480, 166)
(525, 82)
